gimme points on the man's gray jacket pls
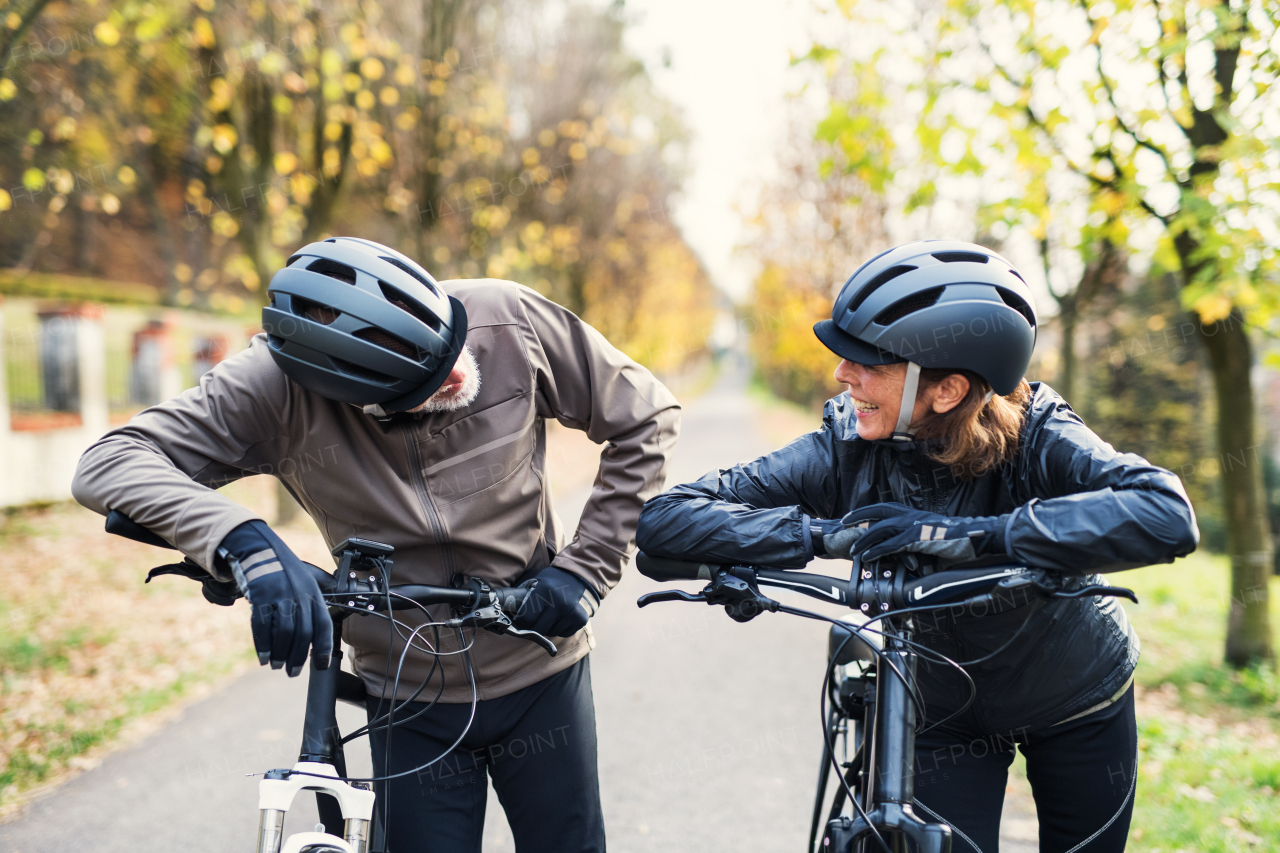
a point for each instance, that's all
(456, 492)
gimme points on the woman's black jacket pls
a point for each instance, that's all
(1073, 504)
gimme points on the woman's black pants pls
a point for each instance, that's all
(1082, 775)
(538, 745)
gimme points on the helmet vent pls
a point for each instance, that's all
(360, 372)
(333, 269)
(411, 271)
(1017, 304)
(961, 257)
(391, 342)
(883, 278)
(404, 303)
(314, 311)
(910, 305)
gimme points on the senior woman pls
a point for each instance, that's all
(941, 450)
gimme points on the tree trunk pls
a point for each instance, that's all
(1248, 535)
(1068, 315)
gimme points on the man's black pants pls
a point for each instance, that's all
(537, 744)
(1081, 774)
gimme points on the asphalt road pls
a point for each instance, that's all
(709, 730)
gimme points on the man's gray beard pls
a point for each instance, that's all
(465, 396)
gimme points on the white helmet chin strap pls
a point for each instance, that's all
(901, 430)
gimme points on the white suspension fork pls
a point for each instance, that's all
(276, 794)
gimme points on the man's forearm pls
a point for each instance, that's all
(632, 470)
(132, 475)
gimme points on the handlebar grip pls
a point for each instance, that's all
(662, 569)
(327, 581)
(122, 525)
(510, 598)
(956, 584)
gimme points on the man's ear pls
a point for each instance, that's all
(948, 393)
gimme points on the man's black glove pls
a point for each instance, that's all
(896, 528)
(221, 593)
(289, 614)
(559, 604)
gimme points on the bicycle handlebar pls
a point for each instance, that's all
(874, 587)
(484, 606)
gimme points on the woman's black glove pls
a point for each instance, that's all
(839, 541)
(289, 614)
(896, 528)
(559, 604)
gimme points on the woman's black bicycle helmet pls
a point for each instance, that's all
(935, 303)
(358, 322)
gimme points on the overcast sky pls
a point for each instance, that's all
(730, 74)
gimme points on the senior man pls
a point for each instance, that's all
(428, 403)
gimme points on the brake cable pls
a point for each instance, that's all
(831, 749)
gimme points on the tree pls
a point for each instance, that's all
(811, 226)
(1161, 108)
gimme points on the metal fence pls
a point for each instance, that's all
(150, 355)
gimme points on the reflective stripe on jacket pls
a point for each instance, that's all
(462, 491)
(1077, 507)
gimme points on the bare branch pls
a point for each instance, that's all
(1115, 108)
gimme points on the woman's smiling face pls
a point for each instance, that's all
(877, 395)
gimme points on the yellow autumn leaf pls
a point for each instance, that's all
(285, 162)
(1213, 307)
(202, 32)
(6, 201)
(7, 89)
(365, 100)
(390, 96)
(33, 179)
(225, 138)
(372, 68)
(106, 33)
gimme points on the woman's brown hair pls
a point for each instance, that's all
(977, 435)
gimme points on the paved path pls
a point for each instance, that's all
(709, 730)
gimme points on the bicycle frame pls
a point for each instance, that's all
(887, 783)
(344, 807)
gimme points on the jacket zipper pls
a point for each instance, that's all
(420, 485)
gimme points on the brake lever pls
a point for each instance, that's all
(187, 569)
(495, 620)
(1100, 589)
(532, 636)
(668, 595)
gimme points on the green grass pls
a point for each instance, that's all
(27, 769)
(1210, 766)
(26, 653)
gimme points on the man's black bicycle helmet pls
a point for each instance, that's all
(358, 322)
(936, 303)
